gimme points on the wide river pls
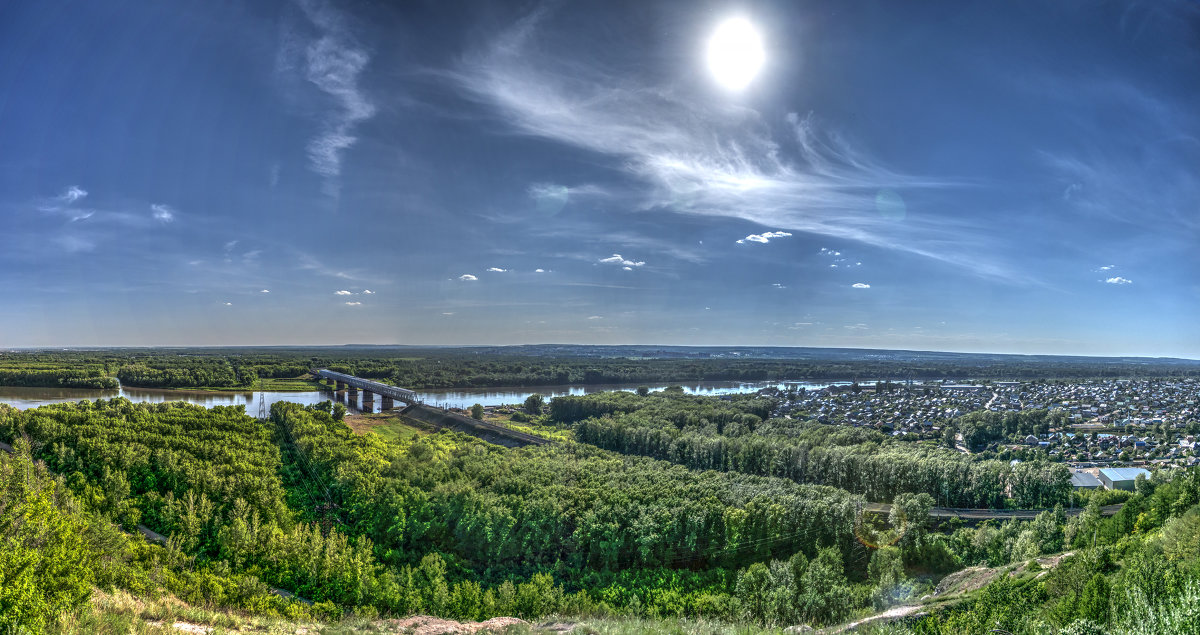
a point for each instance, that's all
(22, 398)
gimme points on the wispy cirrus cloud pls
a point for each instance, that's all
(333, 62)
(699, 157)
(72, 193)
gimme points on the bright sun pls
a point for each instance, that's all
(735, 53)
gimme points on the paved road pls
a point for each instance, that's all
(985, 514)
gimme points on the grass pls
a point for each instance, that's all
(119, 613)
(540, 426)
(389, 425)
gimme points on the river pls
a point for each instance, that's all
(22, 397)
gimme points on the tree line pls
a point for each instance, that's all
(707, 433)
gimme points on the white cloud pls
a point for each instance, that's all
(1119, 280)
(368, 292)
(764, 237)
(342, 292)
(228, 304)
(163, 213)
(1107, 268)
(696, 156)
(466, 277)
(617, 259)
(539, 271)
(627, 268)
(778, 285)
(496, 270)
(333, 63)
(861, 285)
(448, 313)
(856, 327)
(353, 303)
(595, 317)
(72, 194)
(265, 291)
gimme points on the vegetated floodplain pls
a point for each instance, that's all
(434, 368)
(656, 506)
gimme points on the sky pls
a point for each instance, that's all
(969, 176)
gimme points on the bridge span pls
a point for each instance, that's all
(388, 394)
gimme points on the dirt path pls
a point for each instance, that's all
(893, 613)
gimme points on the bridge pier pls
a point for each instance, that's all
(368, 401)
(352, 396)
(341, 385)
(386, 403)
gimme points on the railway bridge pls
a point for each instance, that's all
(388, 395)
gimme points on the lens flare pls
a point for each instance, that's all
(891, 205)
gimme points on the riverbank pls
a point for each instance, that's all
(290, 384)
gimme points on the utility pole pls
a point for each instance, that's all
(262, 400)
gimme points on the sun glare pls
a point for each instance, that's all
(735, 53)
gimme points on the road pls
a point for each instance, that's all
(986, 514)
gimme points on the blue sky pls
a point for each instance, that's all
(972, 176)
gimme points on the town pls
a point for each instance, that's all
(1150, 423)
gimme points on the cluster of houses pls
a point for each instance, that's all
(916, 409)
(1086, 449)
(1104, 403)
(1147, 422)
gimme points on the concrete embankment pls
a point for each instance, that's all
(453, 421)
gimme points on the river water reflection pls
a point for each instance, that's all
(21, 397)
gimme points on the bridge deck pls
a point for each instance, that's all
(395, 392)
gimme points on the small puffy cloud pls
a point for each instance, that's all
(1106, 268)
(353, 303)
(368, 292)
(265, 291)
(72, 194)
(448, 313)
(1118, 280)
(764, 237)
(627, 268)
(861, 285)
(595, 317)
(228, 304)
(539, 271)
(163, 213)
(778, 285)
(496, 270)
(466, 277)
(830, 252)
(342, 292)
(617, 259)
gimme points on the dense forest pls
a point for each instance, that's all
(448, 525)
(431, 368)
(730, 435)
